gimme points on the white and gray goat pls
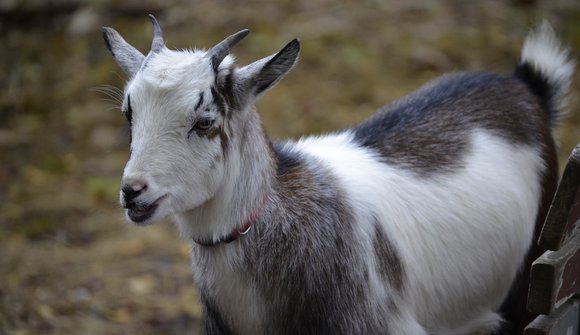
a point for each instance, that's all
(415, 221)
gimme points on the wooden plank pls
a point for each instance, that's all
(573, 222)
(564, 321)
(555, 277)
(564, 214)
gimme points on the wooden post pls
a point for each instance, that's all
(555, 276)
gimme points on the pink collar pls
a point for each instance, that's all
(243, 230)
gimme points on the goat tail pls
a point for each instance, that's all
(546, 68)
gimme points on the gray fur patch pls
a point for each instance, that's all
(428, 131)
(304, 257)
(388, 261)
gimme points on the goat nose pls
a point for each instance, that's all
(133, 190)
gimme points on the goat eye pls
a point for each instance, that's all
(201, 126)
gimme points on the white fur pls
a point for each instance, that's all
(462, 235)
(544, 52)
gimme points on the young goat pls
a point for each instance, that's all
(415, 221)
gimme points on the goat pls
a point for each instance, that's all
(414, 221)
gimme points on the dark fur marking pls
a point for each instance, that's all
(219, 101)
(213, 133)
(199, 101)
(540, 86)
(286, 161)
(428, 131)
(129, 115)
(224, 140)
(226, 89)
(129, 112)
(388, 261)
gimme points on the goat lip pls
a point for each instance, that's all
(140, 213)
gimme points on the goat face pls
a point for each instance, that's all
(185, 109)
(179, 139)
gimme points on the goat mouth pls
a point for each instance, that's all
(141, 212)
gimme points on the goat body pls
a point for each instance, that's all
(415, 221)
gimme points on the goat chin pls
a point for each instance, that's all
(414, 221)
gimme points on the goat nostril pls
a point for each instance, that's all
(131, 191)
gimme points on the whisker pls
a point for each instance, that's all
(114, 93)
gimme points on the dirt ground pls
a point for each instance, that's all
(69, 263)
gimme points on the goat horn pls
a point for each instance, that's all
(222, 49)
(158, 42)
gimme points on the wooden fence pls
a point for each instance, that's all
(554, 292)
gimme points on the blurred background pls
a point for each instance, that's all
(69, 264)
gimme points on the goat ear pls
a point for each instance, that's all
(265, 73)
(128, 58)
